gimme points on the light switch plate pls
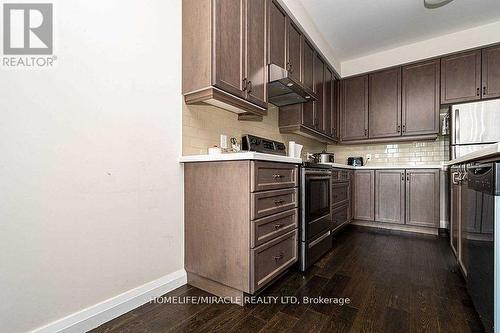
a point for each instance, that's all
(223, 141)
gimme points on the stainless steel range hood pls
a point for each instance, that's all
(283, 89)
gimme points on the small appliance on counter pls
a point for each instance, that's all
(262, 145)
(355, 161)
(324, 157)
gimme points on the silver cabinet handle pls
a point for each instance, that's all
(278, 226)
(279, 256)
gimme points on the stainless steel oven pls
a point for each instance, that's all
(315, 234)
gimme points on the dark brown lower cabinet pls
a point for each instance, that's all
(390, 196)
(422, 197)
(364, 195)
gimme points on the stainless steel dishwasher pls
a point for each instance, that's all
(480, 206)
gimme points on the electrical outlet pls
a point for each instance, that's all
(223, 141)
(368, 157)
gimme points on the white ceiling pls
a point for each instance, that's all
(356, 28)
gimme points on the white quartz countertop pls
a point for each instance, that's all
(238, 157)
(489, 152)
(375, 166)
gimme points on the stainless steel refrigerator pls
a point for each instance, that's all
(474, 126)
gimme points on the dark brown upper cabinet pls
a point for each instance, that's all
(354, 108)
(277, 35)
(294, 51)
(308, 65)
(328, 103)
(226, 68)
(420, 98)
(230, 46)
(256, 52)
(384, 103)
(461, 77)
(319, 89)
(491, 72)
(335, 122)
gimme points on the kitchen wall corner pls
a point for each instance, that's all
(203, 124)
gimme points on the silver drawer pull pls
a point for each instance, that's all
(279, 257)
(277, 226)
(279, 202)
(277, 176)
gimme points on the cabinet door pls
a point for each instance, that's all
(354, 103)
(491, 72)
(294, 50)
(390, 196)
(461, 77)
(229, 47)
(277, 35)
(385, 103)
(319, 81)
(420, 103)
(422, 197)
(335, 109)
(328, 106)
(308, 65)
(256, 51)
(364, 195)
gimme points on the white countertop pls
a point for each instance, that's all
(375, 166)
(239, 156)
(491, 151)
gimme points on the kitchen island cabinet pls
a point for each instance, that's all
(241, 220)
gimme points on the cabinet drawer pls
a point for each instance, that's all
(272, 258)
(339, 216)
(270, 227)
(340, 194)
(270, 176)
(340, 175)
(272, 202)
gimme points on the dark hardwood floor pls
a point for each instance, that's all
(397, 282)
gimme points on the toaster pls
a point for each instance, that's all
(355, 161)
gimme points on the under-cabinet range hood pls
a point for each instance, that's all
(283, 89)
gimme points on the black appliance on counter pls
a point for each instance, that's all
(355, 161)
(262, 145)
(315, 221)
(475, 213)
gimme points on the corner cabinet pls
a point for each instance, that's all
(354, 108)
(224, 54)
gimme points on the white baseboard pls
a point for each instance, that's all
(93, 316)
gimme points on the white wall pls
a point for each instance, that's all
(462, 40)
(90, 186)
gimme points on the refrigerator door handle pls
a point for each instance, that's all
(455, 135)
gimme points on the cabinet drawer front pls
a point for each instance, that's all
(340, 175)
(270, 176)
(270, 227)
(340, 194)
(339, 216)
(272, 258)
(272, 202)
